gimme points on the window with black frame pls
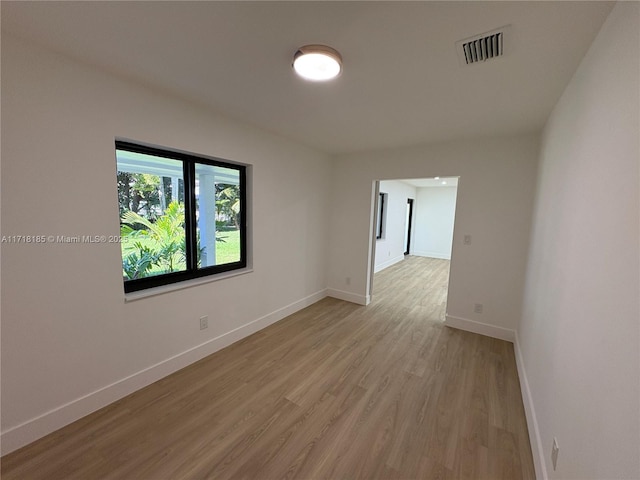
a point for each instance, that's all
(182, 216)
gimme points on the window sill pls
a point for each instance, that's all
(152, 292)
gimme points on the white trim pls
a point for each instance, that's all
(388, 263)
(532, 423)
(48, 422)
(349, 297)
(172, 287)
(480, 328)
(443, 256)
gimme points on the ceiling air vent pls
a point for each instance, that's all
(483, 47)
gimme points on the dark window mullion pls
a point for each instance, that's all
(190, 215)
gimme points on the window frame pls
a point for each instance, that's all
(189, 161)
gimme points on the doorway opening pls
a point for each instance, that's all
(418, 222)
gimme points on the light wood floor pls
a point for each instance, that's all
(335, 391)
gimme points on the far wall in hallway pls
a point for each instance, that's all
(432, 223)
(434, 212)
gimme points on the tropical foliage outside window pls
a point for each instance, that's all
(181, 216)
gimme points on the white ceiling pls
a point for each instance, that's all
(402, 82)
(432, 182)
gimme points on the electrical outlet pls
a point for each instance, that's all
(347, 280)
(554, 452)
(477, 308)
(204, 322)
(467, 239)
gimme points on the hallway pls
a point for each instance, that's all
(416, 281)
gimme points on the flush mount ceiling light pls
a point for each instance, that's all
(317, 63)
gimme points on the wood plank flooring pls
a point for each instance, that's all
(335, 391)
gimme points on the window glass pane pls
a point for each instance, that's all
(218, 214)
(152, 219)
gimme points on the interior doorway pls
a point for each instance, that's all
(417, 220)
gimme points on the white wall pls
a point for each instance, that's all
(494, 204)
(579, 335)
(435, 210)
(70, 343)
(390, 248)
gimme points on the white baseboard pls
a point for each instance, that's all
(532, 422)
(48, 422)
(480, 328)
(443, 256)
(388, 263)
(349, 297)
